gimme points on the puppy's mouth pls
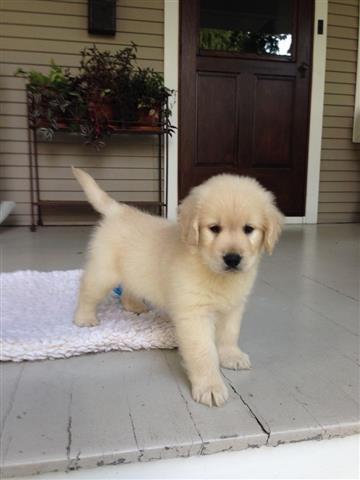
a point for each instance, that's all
(232, 269)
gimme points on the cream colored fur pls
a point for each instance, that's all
(180, 268)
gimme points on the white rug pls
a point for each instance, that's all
(36, 312)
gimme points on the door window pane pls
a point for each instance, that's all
(262, 27)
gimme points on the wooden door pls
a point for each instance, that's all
(245, 74)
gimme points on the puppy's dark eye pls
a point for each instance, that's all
(215, 228)
(248, 229)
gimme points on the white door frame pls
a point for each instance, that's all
(171, 75)
(171, 78)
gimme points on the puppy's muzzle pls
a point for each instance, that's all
(232, 261)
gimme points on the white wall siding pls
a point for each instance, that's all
(31, 34)
(339, 198)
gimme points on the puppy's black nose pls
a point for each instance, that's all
(232, 260)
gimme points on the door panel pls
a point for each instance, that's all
(244, 93)
(273, 115)
(220, 92)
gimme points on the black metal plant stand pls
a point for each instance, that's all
(38, 203)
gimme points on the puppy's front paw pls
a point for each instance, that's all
(85, 321)
(210, 393)
(234, 359)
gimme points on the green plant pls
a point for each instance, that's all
(149, 89)
(109, 91)
(150, 95)
(103, 83)
(49, 98)
(57, 77)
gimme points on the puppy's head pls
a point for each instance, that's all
(229, 220)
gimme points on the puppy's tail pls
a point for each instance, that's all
(97, 197)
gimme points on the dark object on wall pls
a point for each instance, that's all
(102, 17)
(320, 28)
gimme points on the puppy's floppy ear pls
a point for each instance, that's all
(273, 224)
(189, 220)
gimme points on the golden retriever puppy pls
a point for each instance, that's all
(200, 270)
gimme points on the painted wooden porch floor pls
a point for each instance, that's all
(301, 330)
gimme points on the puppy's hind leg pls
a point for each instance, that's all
(133, 304)
(94, 285)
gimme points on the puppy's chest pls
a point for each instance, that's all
(222, 303)
(221, 298)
